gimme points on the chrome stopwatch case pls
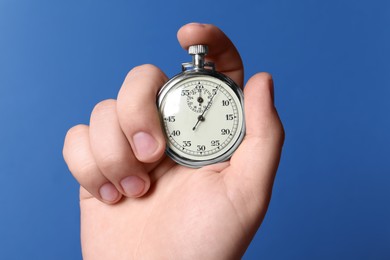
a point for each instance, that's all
(202, 113)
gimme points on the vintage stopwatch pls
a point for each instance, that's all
(202, 113)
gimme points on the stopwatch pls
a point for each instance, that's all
(201, 112)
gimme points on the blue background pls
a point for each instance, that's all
(330, 62)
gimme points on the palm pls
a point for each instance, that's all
(186, 210)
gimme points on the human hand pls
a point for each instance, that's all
(136, 203)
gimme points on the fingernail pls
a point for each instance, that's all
(145, 144)
(133, 186)
(108, 192)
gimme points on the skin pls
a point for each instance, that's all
(136, 203)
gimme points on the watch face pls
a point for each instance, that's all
(203, 119)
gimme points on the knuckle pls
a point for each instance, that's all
(73, 134)
(280, 132)
(76, 131)
(271, 131)
(143, 68)
(85, 170)
(112, 162)
(150, 70)
(274, 130)
(104, 106)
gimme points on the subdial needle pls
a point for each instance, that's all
(200, 99)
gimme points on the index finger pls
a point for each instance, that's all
(222, 51)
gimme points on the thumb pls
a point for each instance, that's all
(254, 164)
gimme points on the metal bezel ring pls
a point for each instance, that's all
(194, 73)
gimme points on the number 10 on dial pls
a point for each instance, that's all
(201, 113)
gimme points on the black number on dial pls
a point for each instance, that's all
(225, 131)
(175, 133)
(215, 143)
(201, 147)
(229, 117)
(170, 119)
(186, 143)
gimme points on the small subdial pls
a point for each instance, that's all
(198, 99)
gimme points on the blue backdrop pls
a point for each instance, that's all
(330, 62)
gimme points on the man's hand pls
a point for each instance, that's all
(161, 210)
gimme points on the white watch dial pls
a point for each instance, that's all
(202, 117)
